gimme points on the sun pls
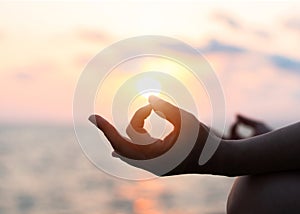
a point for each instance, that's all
(147, 86)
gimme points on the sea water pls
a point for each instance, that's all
(43, 170)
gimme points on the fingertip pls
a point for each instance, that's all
(98, 121)
(153, 99)
(115, 154)
(92, 119)
(146, 108)
(243, 118)
(239, 115)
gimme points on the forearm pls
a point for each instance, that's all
(275, 151)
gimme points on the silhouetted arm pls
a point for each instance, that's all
(275, 151)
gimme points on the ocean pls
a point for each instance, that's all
(43, 170)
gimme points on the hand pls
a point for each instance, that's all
(141, 147)
(257, 127)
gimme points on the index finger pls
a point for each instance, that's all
(166, 110)
(247, 121)
(138, 119)
(136, 131)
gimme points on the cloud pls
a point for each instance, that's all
(284, 62)
(174, 47)
(23, 75)
(217, 46)
(277, 60)
(293, 23)
(227, 19)
(262, 34)
(82, 60)
(30, 72)
(213, 46)
(235, 24)
(94, 35)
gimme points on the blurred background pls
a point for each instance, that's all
(44, 46)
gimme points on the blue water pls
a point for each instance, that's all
(43, 170)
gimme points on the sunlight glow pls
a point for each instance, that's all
(148, 86)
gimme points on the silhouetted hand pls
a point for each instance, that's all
(256, 126)
(142, 147)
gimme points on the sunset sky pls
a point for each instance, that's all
(253, 47)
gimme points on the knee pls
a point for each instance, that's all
(273, 193)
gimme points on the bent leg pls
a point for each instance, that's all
(270, 193)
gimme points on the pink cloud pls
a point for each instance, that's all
(31, 71)
(293, 23)
(94, 35)
(228, 19)
(82, 60)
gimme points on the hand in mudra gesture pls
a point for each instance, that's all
(141, 146)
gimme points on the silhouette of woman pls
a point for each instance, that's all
(266, 165)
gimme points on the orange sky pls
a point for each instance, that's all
(45, 46)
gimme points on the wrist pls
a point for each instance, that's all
(229, 152)
(223, 160)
